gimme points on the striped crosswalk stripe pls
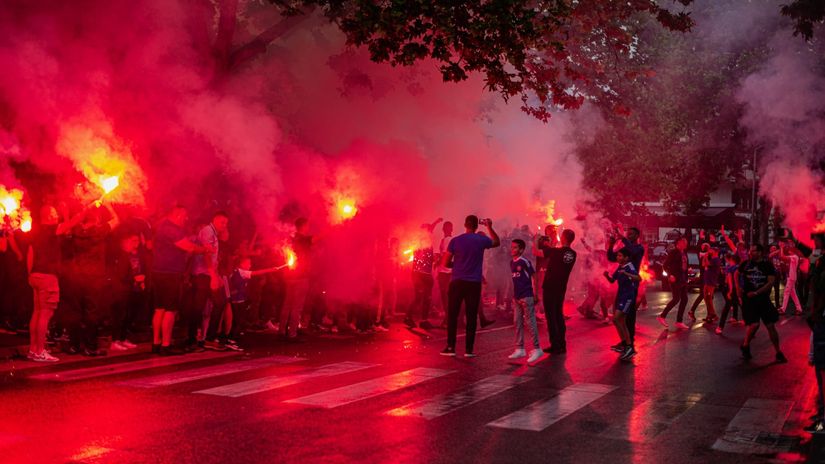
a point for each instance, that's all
(650, 418)
(756, 417)
(447, 403)
(273, 382)
(129, 366)
(190, 375)
(370, 388)
(544, 413)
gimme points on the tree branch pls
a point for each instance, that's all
(259, 44)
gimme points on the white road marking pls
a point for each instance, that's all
(190, 375)
(449, 402)
(129, 366)
(273, 382)
(544, 413)
(370, 388)
(757, 416)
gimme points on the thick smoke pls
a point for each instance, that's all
(784, 102)
(281, 135)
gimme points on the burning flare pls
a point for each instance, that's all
(645, 273)
(11, 209)
(410, 253)
(290, 257)
(108, 183)
(346, 209)
(548, 210)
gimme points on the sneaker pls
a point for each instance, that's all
(93, 353)
(797, 312)
(409, 323)
(780, 358)
(519, 353)
(681, 325)
(128, 344)
(746, 352)
(117, 346)
(692, 315)
(818, 429)
(426, 325)
(718, 330)
(662, 321)
(487, 322)
(233, 347)
(381, 328)
(470, 354)
(270, 326)
(449, 351)
(813, 428)
(44, 356)
(628, 353)
(781, 312)
(618, 347)
(214, 346)
(334, 329)
(31, 355)
(535, 355)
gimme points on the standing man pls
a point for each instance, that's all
(297, 281)
(522, 270)
(466, 252)
(207, 286)
(676, 266)
(636, 254)
(422, 280)
(171, 250)
(754, 288)
(444, 272)
(86, 280)
(43, 265)
(560, 262)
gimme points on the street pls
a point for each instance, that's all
(389, 397)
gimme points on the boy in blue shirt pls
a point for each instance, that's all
(523, 272)
(628, 279)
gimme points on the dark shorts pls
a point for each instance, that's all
(624, 303)
(819, 345)
(166, 290)
(754, 311)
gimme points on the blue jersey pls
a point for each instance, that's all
(522, 277)
(628, 288)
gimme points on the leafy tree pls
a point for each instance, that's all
(553, 53)
(805, 13)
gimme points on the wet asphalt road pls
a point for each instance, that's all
(389, 397)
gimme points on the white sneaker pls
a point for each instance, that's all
(43, 356)
(31, 355)
(535, 355)
(662, 321)
(128, 344)
(381, 328)
(270, 326)
(117, 346)
(681, 325)
(718, 331)
(334, 329)
(519, 353)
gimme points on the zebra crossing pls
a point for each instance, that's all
(641, 422)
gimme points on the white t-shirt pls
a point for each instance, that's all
(442, 248)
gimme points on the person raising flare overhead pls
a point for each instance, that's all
(171, 249)
(466, 253)
(43, 265)
(560, 262)
(676, 266)
(523, 272)
(754, 287)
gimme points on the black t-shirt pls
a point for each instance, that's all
(46, 247)
(560, 262)
(89, 246)
(302, 246)
(754, 275)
